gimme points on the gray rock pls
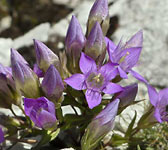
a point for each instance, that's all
(150, 16)
(5, 45)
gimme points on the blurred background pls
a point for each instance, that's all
(47, 20)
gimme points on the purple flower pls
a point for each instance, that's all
(100, 125)
(25, 79)
(45, 57)
(95, 45)
(160, 103)
(41, 111)
(1, 136)
(126, 56)
(99, 12)
(74, 43)
(95, 80)
(127, 96)
(52, 83)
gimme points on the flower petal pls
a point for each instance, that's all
(46, 119)
(112, 88)
(122, 73)
(1, 136)
(157, 115)
(86, 63)
(138, 76)
(38, 71)
(136, 40)
(93, 98)
(109, 71)
(112, 46)
(28, 105)
(76, 81)
(153, 95)
(131, 57)
(163, 97)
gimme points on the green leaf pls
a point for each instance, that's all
(47, 136)
(130, 127)
(117, 140)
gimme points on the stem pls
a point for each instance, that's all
(74, 110)
(29, 141)
(13, 112)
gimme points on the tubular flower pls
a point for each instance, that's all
(160, 103)
(52, 83)
(1, 136)
(41, 111)
(126, 56)
(99, 13)
(100, 126)
(95, 80)
(25, 79)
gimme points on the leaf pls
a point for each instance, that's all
(117, 140)
(130, 127)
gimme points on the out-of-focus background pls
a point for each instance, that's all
(47, 20)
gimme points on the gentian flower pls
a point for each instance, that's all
(1, 136)
(100, 126)
(95, 80)
(8, 93)
(41, 111)
(160, 103)
(126, 56)
(74, 43)
(52, 83)
(99, 13)
(26, 80)
(95, 45)
(45, 57)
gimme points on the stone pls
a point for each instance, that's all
(151, 17)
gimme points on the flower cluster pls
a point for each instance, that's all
(91, 67)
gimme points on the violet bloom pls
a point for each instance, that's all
(95, 45)
(100, 125)
(52, 84)
(126, 56)
(160, 103)
(1, 136)
(95, 80)
(25, 79)
(99, 13)
(45, 57)
(41, 111)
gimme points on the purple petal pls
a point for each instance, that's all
(76, 81)
(157, 115)
(109, 112)
(108, 71)
(138, 76)
(87, 64)
(122, 73)
(112, 88)
(1, 136)
(38, 71)
(131, 59)
(136, 40)
(28, 105)
(163, 98)
(93, 98)
(153, 95)
(111, 46)
(46, 119)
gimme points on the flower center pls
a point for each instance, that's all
(95, 80)
(123, 57)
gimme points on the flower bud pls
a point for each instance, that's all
(74, 43)
(52, 84)
(1, 136)
(95, 45)
(8, 93)
(45, 57)
(99, 12)
(41, 111)
(100, 126)
(26, 80)
(127, 96)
